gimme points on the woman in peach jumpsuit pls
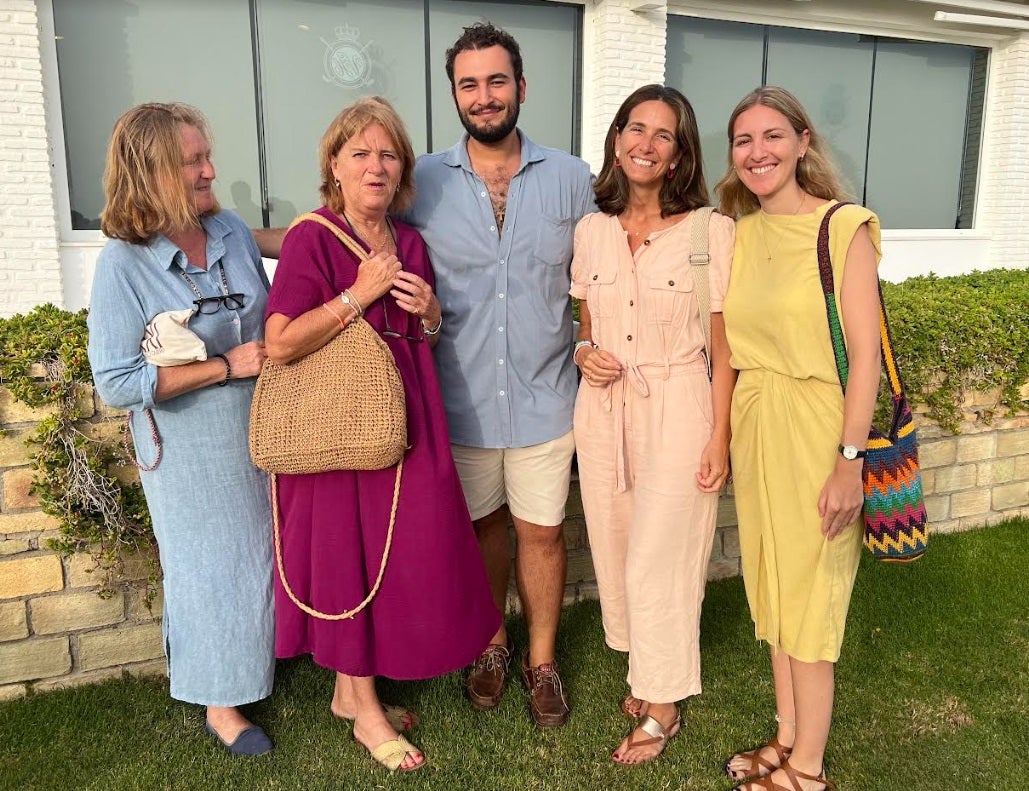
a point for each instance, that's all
(651, 429)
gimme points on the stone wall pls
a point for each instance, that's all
(55, 631)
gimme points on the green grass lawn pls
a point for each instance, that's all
(933, 693)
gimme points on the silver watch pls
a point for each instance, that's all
(851, 452)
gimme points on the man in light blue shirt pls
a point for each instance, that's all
(498, 213)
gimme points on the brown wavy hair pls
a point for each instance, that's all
(352, 121)
(686, 190)
(144, 193)
(816, 173)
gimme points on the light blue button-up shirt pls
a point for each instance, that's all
(505, 353)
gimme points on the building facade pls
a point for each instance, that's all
(925, 104)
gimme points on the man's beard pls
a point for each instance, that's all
(495, 131)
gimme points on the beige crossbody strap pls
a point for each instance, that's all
(699, 261)
(350, 243)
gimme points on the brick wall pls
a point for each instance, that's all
(622, 50)
(55, 631)
(30, 269)
(1005, 186)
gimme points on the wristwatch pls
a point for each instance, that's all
(850, 452)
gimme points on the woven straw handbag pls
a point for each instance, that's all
(896, 527)
(339, 408)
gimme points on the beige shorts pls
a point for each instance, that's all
(533, 480)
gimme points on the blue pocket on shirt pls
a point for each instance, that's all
(554, 240)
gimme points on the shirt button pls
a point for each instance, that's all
(671, 282)
(500, 329)
(483, 194)
(502, 392)
(502, 261)
(595, 277)
(646, 241)
(628, 337)
(630, 303)
(501, 361)
(493, 227)
(501, 296)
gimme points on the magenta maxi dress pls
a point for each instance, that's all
(434, 612)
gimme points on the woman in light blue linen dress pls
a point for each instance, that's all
(172, 248)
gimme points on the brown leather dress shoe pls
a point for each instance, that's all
(486, 677)
(547, 702)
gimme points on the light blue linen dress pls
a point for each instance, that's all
(210, 505)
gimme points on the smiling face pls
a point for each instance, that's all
(197, 169)
(765, 152)
(646, 145)
(368, 168)
(487, 96)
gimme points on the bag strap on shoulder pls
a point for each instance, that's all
(700, 260)
(839, 346)
(348, 241)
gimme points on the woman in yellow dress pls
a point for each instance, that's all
(797, 441)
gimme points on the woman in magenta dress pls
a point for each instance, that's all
(433, 613)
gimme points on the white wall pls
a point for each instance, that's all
(30, 272)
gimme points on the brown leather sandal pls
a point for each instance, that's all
(759, 767)
(793, 775)
(659, 736)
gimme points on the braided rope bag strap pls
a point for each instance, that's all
(896, 528)
(362, 255)
(700, 261)
(382, 564)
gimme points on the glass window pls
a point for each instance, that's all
(115, 54)
(903, 119)
(831, 74)
(318, 57)
(269, 100)
(917, 133)
(715, 64)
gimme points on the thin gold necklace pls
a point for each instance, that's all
(374, 248)
(778, 240)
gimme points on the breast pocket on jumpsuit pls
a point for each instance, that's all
(667, 294)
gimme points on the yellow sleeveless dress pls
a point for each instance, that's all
(787, 415)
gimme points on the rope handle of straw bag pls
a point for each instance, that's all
(839, 347)
(154, 435)
(700, 260)
(362, 255)
(348, 241)
(382, 565)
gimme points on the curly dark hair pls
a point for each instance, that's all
(687, 189)
(483, 35)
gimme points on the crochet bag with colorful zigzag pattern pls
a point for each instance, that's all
(896, 528)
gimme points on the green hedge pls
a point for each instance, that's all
(951, 335)
(955, 334)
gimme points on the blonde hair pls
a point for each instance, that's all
(352, 121)
(144, 192)
(816, 174)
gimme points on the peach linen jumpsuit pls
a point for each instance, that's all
(639, 442)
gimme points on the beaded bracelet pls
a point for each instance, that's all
(580, 345)
(228, 370)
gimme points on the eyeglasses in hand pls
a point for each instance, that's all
(389, 332)
(208, 306)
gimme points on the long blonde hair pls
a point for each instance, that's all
(352, 121)
(816, 173)
(144, 192)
